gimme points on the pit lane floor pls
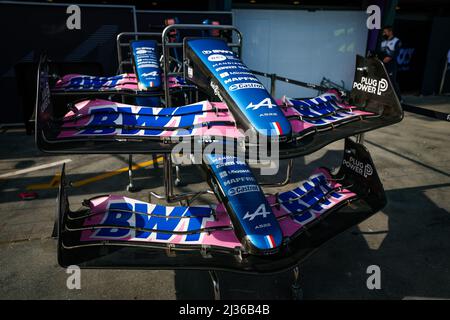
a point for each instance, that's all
(408, 240)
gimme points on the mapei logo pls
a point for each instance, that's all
(152, 74)
(145, 226)
(106, 120)
(260, 211)
(206, 52)
(92, 82)
(216, 57)
(144, 50)
(370, 85)
(243, 189)
(266, 103)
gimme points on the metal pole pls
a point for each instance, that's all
(130, 186)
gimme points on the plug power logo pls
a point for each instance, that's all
(359, 167)
(371, 85)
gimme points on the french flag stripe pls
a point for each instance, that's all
(270, 240)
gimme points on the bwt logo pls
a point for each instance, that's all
(370, 85)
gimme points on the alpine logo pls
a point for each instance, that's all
(370, 85)
(267, 103)
(261, 211)
(153, 74)
(359, 167)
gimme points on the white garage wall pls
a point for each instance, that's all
(302, 45)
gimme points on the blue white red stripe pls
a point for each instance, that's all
(276, 126)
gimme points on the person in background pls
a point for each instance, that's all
(390, 48)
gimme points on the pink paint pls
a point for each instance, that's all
(221, 238)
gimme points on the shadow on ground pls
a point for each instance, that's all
(412, 257)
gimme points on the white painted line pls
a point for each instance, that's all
(43, 166)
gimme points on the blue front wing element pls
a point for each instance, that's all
(121, 213)
(148, 72)
(245, 90)
(146, 64)
(247, 206)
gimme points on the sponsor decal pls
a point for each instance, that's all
(371, 85)
(238, 171)
(237, 64)
(236, 79)
(88, 82)
(262, 226)
(113, 217)
(232, 67)
(242, 86)
(206, 52)
(216, 57)
(223, 174)
(243, 189)
(235, 73)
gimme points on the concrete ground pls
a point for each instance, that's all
(409, 240)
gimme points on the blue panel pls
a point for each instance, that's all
(246, 200)
(146, 60)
